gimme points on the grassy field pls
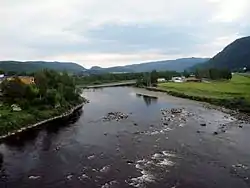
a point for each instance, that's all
(230, 92)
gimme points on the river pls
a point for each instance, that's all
(140, 151)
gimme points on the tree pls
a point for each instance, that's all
(186, 73)
(11, 73)
(13, 89)
(53, 97)
(226, 74)
(154, 77)
(215, 74)
(41, 82)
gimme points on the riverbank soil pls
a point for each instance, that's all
(130, 137)
(232, 94)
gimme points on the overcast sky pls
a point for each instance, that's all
(118, 32)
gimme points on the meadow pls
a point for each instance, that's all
(234, 93)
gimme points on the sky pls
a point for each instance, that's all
(118, 32)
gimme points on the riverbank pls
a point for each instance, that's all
(109, 84)
(21, 128)
(232, 94)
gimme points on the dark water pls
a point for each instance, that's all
(140, 151)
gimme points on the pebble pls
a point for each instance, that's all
(203, 124)
(105, 169)
(130, 162)
(34, 177)
(91, 157)
(69, 177)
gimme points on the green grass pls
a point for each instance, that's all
(225, 91)
(11, 121)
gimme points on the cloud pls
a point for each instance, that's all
(107, 33)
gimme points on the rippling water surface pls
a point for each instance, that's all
(148, 149)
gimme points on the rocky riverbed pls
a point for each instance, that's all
(135, 142)
(115, 116)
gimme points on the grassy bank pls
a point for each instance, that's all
(234, 94)
(12, 121)
(49, 94)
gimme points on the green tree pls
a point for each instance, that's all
(186, 73)
(41, 82)
(154, 77)
(214, 74)
(11, 73)
(13, 89)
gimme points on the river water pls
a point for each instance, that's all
(150, 148)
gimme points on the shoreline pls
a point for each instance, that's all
(109, 84)
(217, 104)
(23, 129)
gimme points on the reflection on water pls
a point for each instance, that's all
(147, 99)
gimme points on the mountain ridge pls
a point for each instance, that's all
(234, 56)
(174, 65)
(32, 66)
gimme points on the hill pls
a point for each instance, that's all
(174, 65)
(32, 66)
(234, 57)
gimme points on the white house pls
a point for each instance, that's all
(1, 77)
(161, 80)
(177, 79)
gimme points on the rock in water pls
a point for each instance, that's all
(115, 116)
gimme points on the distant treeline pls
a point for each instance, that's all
(15, 73)
(213, 74)
(115, 77)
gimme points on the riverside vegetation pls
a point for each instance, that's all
(233, 93)
(221, 87)
(51, 95)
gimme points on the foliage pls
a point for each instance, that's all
(150, 79)
(52, 94)
(186, 73)
(213, 74)
(153, 77)
(106, 78)
(13, 89)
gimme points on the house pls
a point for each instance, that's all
(161, 80)
(28, 80)
(178, 79)
(1, 78)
